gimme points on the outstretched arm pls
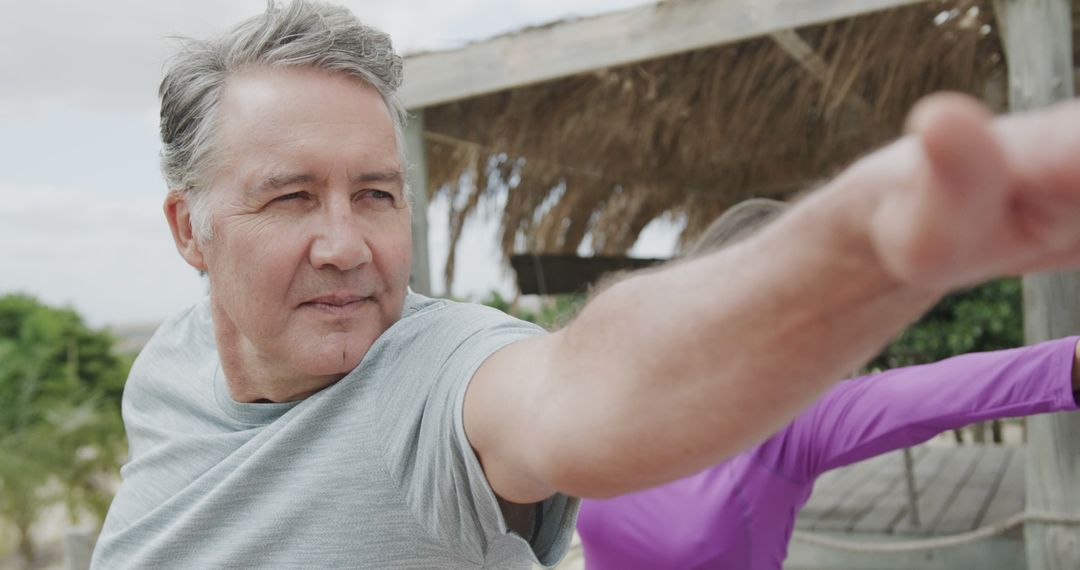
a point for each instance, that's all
(858, 419)
(667, 373)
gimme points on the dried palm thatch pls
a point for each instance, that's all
(599, 155)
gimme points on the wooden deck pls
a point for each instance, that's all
(958, 489)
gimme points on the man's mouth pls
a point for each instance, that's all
(337, 304)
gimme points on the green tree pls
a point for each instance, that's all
(987, 317)
(60, 431)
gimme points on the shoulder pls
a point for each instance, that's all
(438, 344)
(193, 327)
(181, 351)
(443, 321)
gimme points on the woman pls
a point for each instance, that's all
(740, 514)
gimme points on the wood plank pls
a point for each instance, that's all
(932, 464)
(992, 554)
(862, 502)
(936, 494)
(975, 494)
(831, 496)
(1008, 497)
(893, 506)
(852, 499)
(996, 486)
(941, 461)
(646, 32)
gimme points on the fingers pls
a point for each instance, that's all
(934, 233)
(975, 197)
(962, 154)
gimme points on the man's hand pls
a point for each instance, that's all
(979, 198)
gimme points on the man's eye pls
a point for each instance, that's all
(291, 197)
(376, 195)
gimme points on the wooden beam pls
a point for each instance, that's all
(791, 42)
(420, 278)
(647, 32)
(803, 53)
(1037, 35)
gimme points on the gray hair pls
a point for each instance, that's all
(736, 224)
(301, 34)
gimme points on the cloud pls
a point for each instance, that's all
(105, 54)
(111, 259)
(109, 54)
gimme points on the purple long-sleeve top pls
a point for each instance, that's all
(741, 513)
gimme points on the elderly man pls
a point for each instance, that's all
(313, 413)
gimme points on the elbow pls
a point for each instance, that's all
(582, 479)
(583, 463)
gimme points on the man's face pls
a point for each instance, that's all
(311, 249)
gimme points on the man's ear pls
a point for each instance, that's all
(179, 216)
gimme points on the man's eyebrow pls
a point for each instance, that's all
(391, 175)
(278, 181)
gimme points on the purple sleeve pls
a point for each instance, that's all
(899, 408)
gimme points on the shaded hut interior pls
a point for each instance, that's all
(594, 158)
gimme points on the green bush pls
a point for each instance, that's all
(61, 436)
(555, 310)
(987, 317)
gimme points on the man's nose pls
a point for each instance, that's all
(339, 240)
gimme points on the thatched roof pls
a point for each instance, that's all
(602, 154)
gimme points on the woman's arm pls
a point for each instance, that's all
(868, 416)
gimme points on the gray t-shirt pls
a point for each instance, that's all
(374, 471)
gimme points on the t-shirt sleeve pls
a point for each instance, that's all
(442, 480)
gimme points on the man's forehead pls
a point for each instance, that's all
(271, 104)
(292, 126)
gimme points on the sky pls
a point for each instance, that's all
(80, 191)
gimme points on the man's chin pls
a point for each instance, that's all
(334, 362)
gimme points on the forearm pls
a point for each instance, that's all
(670, 372)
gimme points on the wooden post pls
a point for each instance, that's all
(1037, 36)
(912, 489)
(420, 280)
(1052, 309)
